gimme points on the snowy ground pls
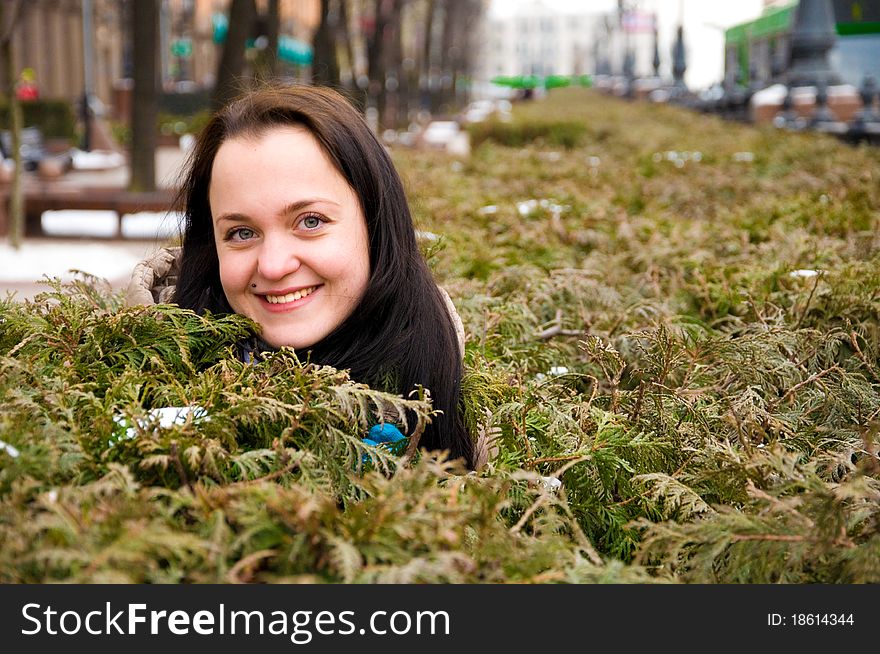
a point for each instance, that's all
(21, 270)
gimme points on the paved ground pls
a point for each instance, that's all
(21, 270)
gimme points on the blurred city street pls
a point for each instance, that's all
(78, 244)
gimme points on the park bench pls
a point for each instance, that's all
(46, 196)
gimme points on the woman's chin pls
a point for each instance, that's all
(285, 340)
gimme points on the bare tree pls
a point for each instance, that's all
(385, 20)
(144, 110)
(458, 43)
(11, 12)
(451, 15)
(242, 14)
(267, 60)
(357, 18)
(466, 47)
(394, 107)
(418, 53)
(344, 32)
(426, 69)
(325, 66)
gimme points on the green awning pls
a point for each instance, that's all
(534, 81)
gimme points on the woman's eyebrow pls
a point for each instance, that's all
(234, 217)
(293, 207)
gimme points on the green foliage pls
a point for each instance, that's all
(269, 485)
(693, 345)
(167, 124)
(672, 369)
(55, 118)
(564, 133)
(179, 124)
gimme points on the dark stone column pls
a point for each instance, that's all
(812, 36)
(679, 64)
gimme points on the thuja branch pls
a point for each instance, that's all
(771, 406)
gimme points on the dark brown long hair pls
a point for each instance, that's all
(401, 329)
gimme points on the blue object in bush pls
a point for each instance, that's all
(385, 434)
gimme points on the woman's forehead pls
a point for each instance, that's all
(282, 167)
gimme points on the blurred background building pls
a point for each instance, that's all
(435, 55)
(49, 39)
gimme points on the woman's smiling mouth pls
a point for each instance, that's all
(290, 297)
(290, 300)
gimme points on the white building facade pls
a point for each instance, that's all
(539, 40)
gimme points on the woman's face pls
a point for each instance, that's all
(290, 235)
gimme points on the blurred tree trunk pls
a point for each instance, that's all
(466, 46)
(376, 54)
(344, 32)
(267, 61)
(394, 72)
(426, 68)
(355, 45)
(144, 107)
(16, 195)
(460, 29)
(386, 18)
(325, 67)
(242, 14)
(443, 97)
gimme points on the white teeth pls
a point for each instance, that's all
(290, 297)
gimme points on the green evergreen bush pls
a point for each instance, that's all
(560, 133)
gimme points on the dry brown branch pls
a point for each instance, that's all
(754, 491)
(809, 300)
(243, 570)
(178, 465)
(555, 329)
(771, 406)
(269, 477)
(854, 340)
(528, 514)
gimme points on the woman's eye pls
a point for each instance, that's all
(241, 234)
(312, 222)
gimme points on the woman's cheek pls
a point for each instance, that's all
(234, 276)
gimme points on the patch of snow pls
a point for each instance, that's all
(772, 95)
(162, 418)
(77, 222)
(9, 449)
(152, 224)
(38, 258)
(551, 484)
(97, 159)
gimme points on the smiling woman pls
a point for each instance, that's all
(297, 219)
(290, 235)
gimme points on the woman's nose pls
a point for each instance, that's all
(277, 258)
